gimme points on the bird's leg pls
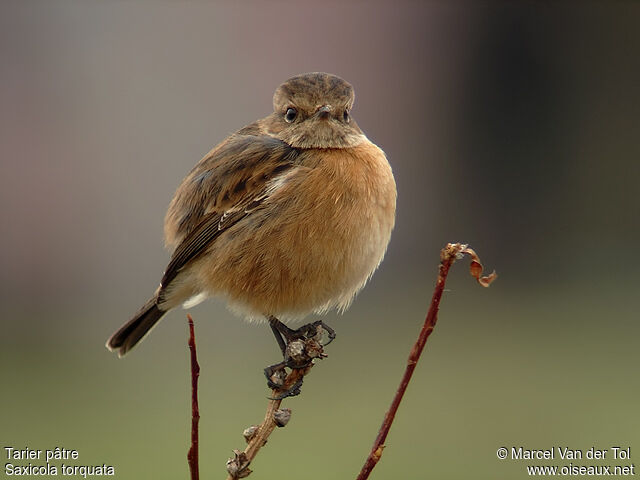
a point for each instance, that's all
(285, 335)
(299, 347)
(276, 325)
(276, 373)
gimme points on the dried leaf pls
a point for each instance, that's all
(476, 268)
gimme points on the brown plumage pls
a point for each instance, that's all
(290, 215)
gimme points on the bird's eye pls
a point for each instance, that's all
(291, 115)
(346, 116)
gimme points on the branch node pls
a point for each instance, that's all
(378, 453)
(282, 416)
(250, 432)
(237, 466)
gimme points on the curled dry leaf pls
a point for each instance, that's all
(476, 267)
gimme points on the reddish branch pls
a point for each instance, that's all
(448, 256)
(192, 456)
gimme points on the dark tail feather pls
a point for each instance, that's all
(135, 329)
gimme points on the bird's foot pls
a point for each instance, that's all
(299, 348)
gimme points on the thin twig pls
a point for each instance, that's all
(192, 456)
(448, 256)
(239, 464)
(302, 352)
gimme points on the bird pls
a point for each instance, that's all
(288, 216)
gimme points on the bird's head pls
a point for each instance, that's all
(313, 110)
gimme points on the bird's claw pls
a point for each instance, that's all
(299, 347)
(293, 391)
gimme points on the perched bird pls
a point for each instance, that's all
(290, 215)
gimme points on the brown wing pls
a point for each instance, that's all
(223, 188)
(236, 169)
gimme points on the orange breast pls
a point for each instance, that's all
(315, 243)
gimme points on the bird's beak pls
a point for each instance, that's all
(324, 111)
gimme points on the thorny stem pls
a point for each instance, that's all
(448, 256)
(192, 456)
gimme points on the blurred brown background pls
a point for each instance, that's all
(512, 126)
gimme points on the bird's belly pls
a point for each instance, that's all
(298, 271)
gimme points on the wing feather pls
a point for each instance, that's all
(232, 181)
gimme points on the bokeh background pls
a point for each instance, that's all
(513, 126)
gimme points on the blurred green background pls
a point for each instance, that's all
(512, 126)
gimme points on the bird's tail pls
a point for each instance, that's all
(135, 329)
